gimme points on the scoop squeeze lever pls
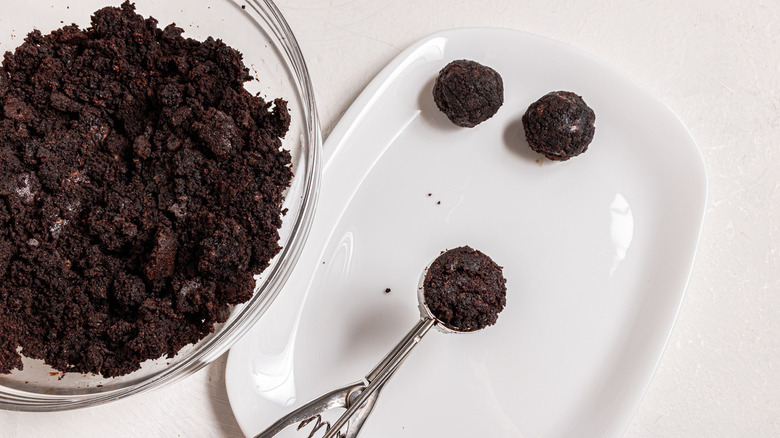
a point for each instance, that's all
(360, 397)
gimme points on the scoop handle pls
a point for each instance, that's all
(383, 371)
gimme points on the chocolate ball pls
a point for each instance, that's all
(559, 125)
(465, 289)
(468, 93)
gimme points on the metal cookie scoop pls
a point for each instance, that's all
(360, 397)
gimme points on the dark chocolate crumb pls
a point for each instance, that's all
(243, 6)
(465, 289)
(387, 291)
(438, 202)
(140, 192)
(468, 93)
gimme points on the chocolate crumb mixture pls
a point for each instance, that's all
(140, 190)
(465, 289)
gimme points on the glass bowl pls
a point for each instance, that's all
(257, 29)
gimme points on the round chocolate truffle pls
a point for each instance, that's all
(468, 93)
(559, 125)
(464, 289)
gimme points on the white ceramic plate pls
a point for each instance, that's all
(596, 251)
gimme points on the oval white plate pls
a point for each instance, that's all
(596, 251)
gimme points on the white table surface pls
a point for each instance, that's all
(715, 63)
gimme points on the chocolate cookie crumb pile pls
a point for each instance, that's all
(141, 189)
(559, 125)
(468, 93)
(465, 289)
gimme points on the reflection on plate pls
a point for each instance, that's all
(596, 250)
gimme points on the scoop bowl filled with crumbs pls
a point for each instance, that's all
(159, 169)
